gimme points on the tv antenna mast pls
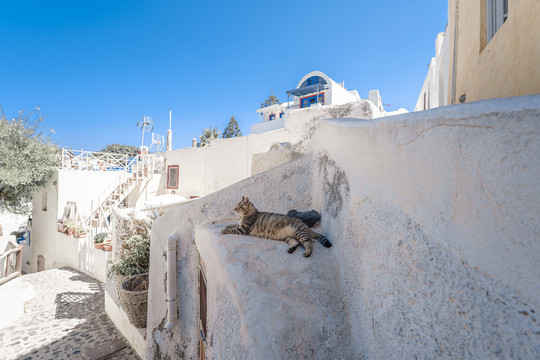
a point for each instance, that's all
(146, 125)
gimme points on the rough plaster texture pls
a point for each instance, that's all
(182, 340)
(265, 303)
(301, 123)
(434, 222)
(435, 219)
(265, 161)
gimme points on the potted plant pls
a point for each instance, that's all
(131, 277)
(80, 231)
(107, 246)
(99, 240)
(71, 226)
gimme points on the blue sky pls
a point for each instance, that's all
(95, 67)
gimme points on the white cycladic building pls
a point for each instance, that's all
(434, 91)
(314, 89)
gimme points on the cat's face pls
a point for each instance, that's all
(243, 206)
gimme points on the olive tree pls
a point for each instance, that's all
(27, 159)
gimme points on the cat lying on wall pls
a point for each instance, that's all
(274, 226)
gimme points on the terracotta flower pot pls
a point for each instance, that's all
(82, 235)
(99, 246)
(107, 247)
(71, 232)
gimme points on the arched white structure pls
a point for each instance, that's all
(314, 89)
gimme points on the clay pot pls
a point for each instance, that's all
(107, 247)
(99, 246)
(71, 232)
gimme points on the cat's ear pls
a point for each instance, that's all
(242, 198)
(246, 200)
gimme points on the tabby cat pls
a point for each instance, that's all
(274, 226)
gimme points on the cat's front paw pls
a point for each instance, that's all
(224, 231)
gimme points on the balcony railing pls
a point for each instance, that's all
(93, 160)
(10, 262)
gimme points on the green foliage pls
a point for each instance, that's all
(272, 99)
(128, 150)
(134, 258)
(71, 225)
(232, 130)
(208, 135)
(99, 238)
(27, 159)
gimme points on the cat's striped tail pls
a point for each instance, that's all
(320, 238)
(324, 241)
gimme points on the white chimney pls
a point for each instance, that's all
(169, 133)
(194, 142)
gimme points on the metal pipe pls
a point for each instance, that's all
(171, 280)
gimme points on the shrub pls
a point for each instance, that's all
(134, 258)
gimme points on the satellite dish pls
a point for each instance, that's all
(158, 141)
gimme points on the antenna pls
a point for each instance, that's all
(157, 141)
(146, 125)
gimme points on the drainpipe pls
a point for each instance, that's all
(456, 20)
(171, 280)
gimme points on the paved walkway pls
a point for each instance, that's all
(66, 317)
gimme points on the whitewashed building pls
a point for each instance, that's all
(434, 91)
(314, 89)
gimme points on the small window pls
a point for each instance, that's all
(172, 177)
(496, 15)
(44, 200)
(272, 117)
(281, 114)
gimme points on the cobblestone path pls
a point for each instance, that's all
(66, 317)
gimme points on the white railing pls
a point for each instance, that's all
(12, 258)
(93, 160)
(141, 167)
(129, 170)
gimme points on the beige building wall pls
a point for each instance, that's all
(507, 65)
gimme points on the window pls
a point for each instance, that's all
(496, 15)
(172, 177)
(281, 114)
(310, 100)
(44, 200)
(313, 80)
(272, 117)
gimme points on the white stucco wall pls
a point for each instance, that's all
(12, 301)
(433, 216)
(59, 249)
(268, 125)
(436, 217)
(436, 84)
(226, 161)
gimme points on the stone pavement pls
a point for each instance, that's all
(66, 317)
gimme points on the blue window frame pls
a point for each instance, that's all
(281, 114)
(272, 117)
(310, 100)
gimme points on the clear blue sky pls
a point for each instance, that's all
(95, 67)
